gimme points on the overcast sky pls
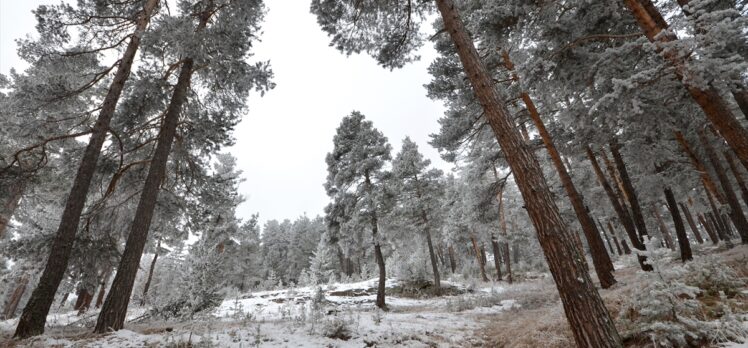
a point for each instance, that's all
(282, 141)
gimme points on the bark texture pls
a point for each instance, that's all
(114, 310)
(34, 315)
(588, 318)
(600, 258)
(691, 223)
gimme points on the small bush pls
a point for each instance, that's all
(336, 328)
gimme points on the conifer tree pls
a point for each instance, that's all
(355, 178)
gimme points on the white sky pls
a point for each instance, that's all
(282, 142)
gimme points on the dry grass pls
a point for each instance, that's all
(540, 321)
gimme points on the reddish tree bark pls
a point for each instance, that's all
(709, 230)
(667, 237)
(628, 189)
(34, 315)
(691, 223)
(623, 216)
(716, 109)
(479, 258)
(736, 173)
(624, 245)
(15, 297)
(736, 211)
(600, 257)
(588, 318)
(114, 310)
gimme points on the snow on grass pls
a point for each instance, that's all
(299, 317)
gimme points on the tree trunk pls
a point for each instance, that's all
(114, 310)
(667, 237)
(87, 297)
(709, 231)
(15, 298)
(741, 97)
(680, 229)
(102, 288)
(623, 216)
(600, 258)
(377, 252)
(34, 314)
(691, 223)
(607, 239)
(479, 258)
(452, 263)
(716, 109)
(628, 187)
(150, 277)
(706, 179)
(8, 208)
(434, 263)
(508, 263)
(496, 256)
(735, 172)
(736, 211)
(738, 92)
(588, 318)
(64, 299)
(615, 238)
(624, 245)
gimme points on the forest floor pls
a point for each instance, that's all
(524, 314)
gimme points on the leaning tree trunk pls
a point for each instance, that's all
(434, 263)
(736, 211)
(600, 258)
(114, 310)
(680, 229)
(663, 228)
(620, 210)
(479, 258)
(706, 179)
(588, 318)
(150, 277)
(624, 245)
(709, 230)
(735, 172)
(15, 297)
(607, 239)
(34, 314)
(691, 223)
(496, 256)
(739, 92)
(628, 187)
(716, 109)
(741, 97)
(615, 241)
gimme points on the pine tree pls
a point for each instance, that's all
(418, 190)
(355, 178)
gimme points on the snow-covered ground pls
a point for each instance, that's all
(334, 315)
